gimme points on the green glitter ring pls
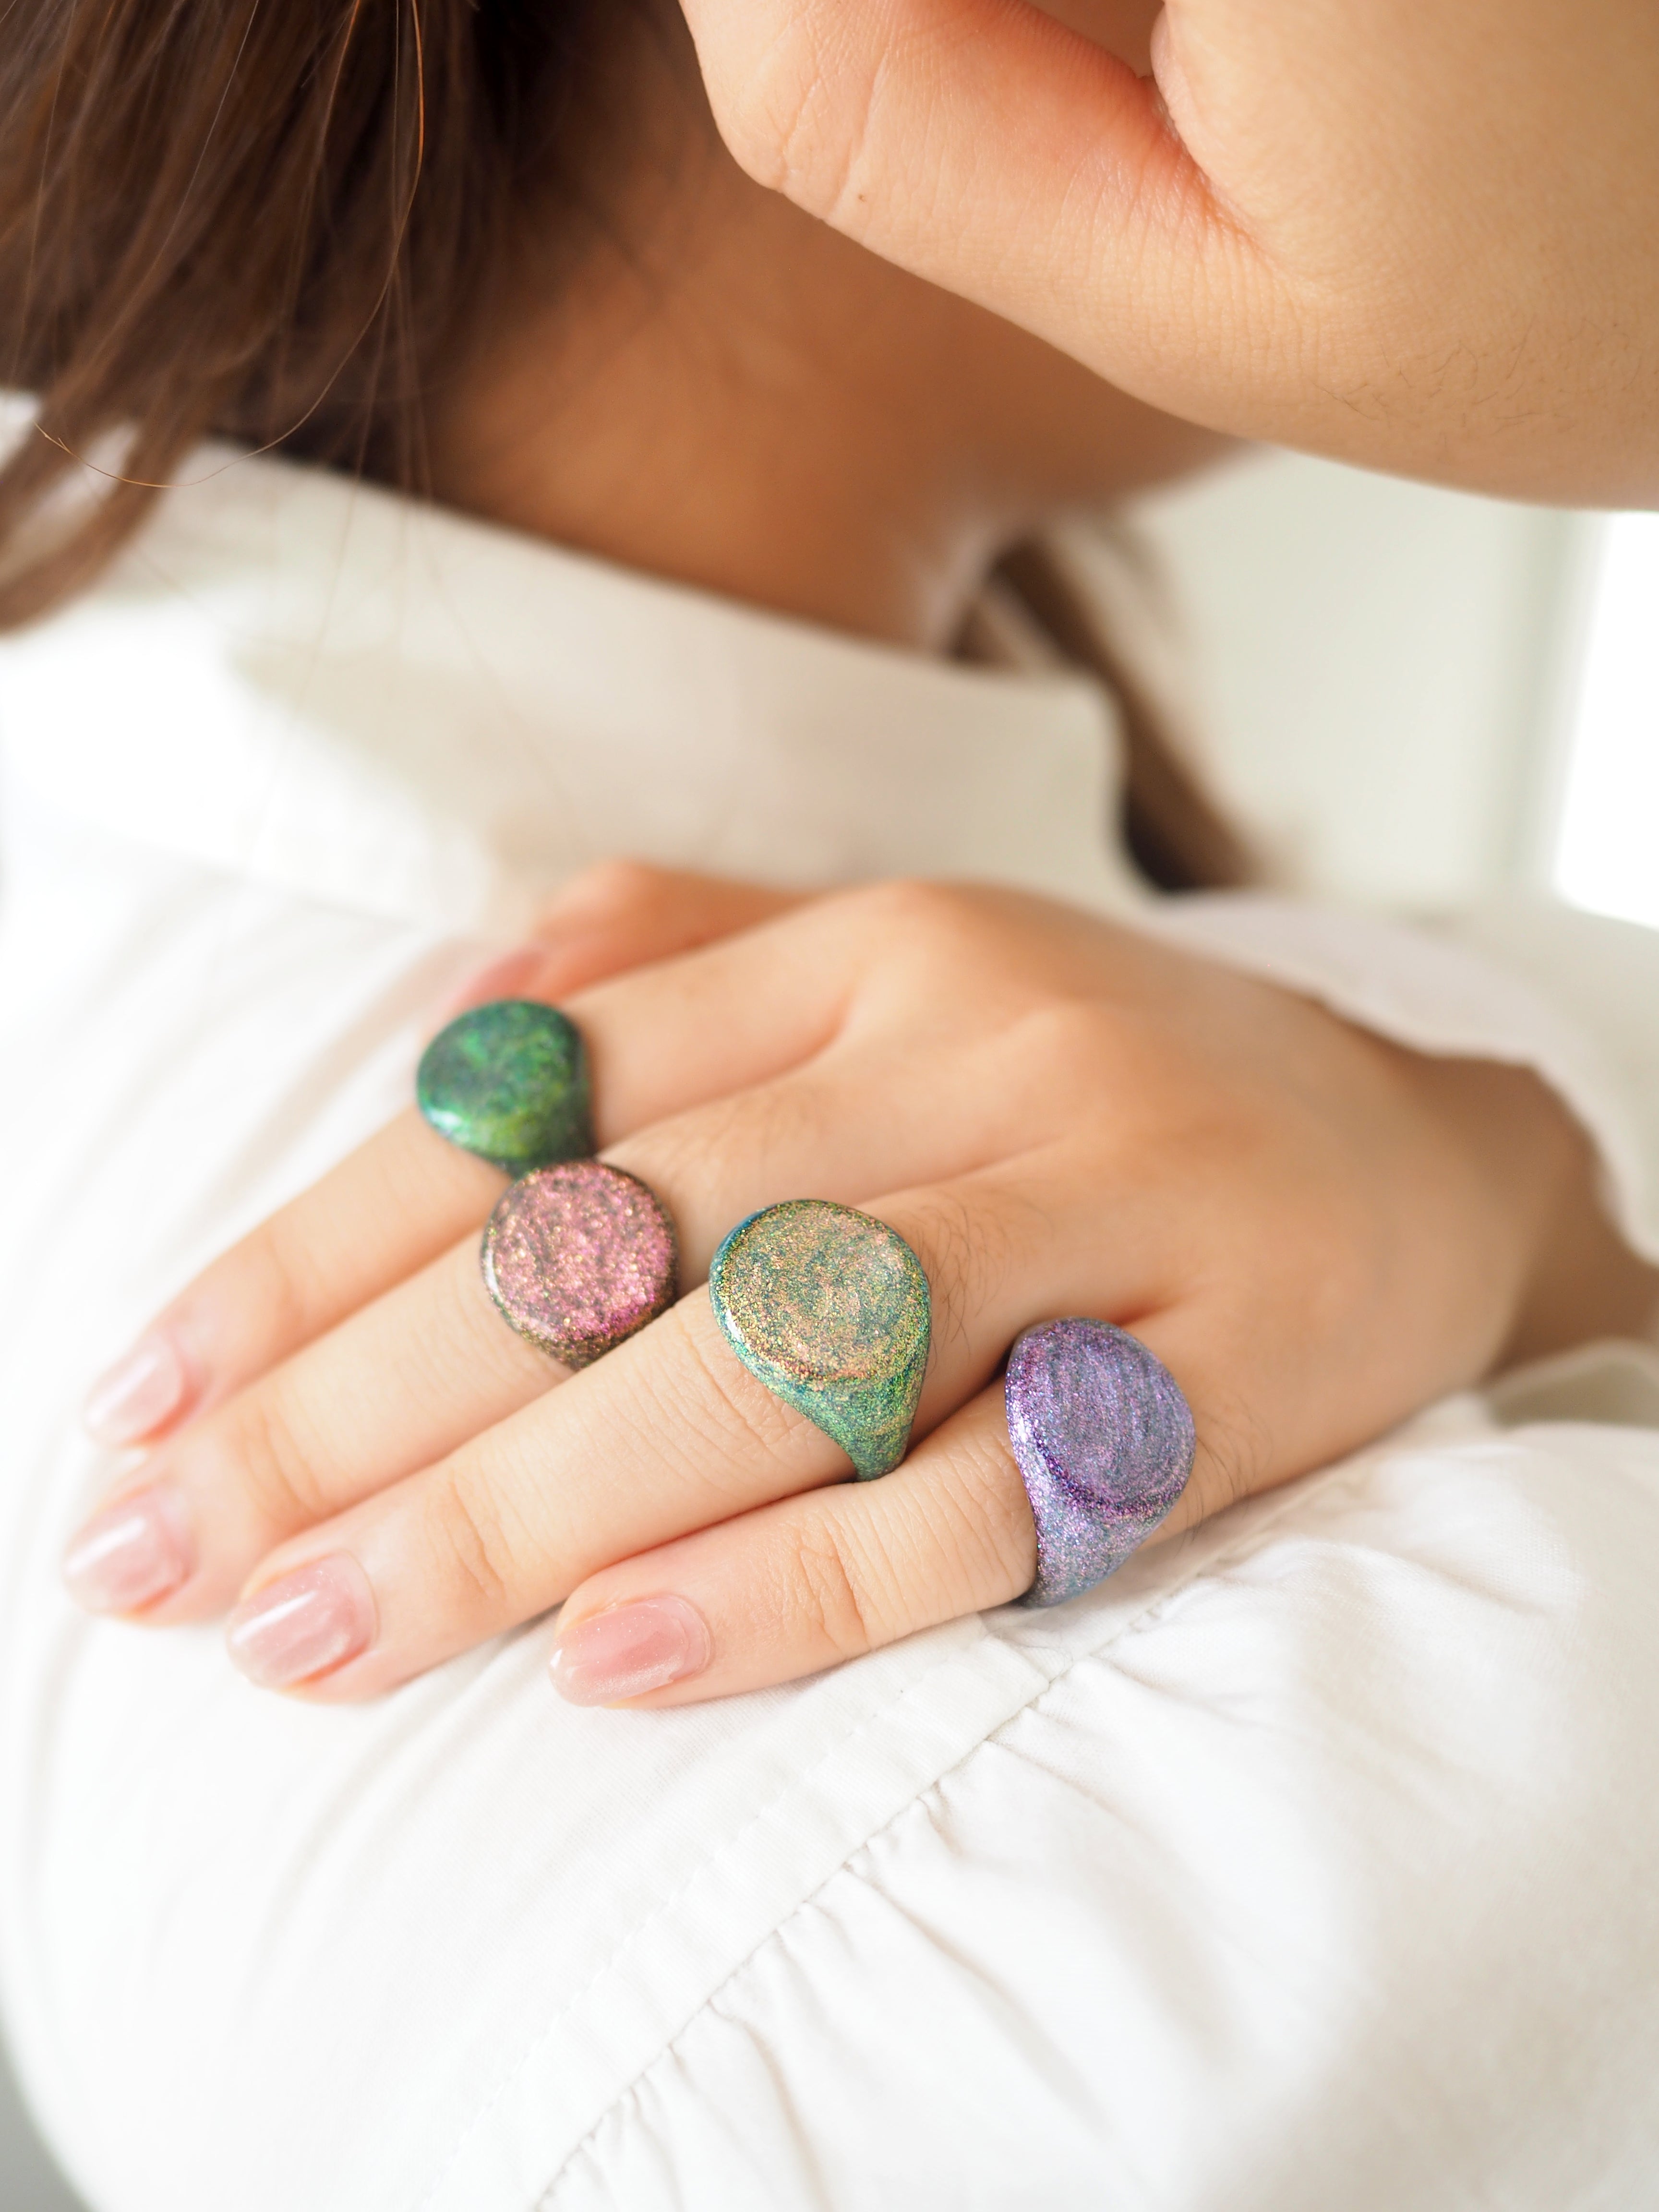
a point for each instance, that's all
(508, 1081)
(830, 1309)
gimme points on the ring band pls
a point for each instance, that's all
(1104, 1441)
(508, 1081)
(830, 1309)
(579, 1256)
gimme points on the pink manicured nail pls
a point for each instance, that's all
(133, 1398)
(504, 977)
(132, 1553)
(630, 1650)
(312, 1620)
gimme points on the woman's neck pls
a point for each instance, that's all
(730, 407)
(722, 391)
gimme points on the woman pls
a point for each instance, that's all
(1058, 1905)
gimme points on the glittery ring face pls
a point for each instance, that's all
(1104, 1441)
(508, 1081)
(579, 1256)
(830, 1309)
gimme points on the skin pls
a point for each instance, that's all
(746, 402)
(1317, 1231)
(1416, 238)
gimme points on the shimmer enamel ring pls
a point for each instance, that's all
(578, 1256)
(508, 1081)
(1104, 1442)
(830, 1309)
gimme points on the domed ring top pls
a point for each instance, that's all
(1104, 1441)
(830, 1309)
(508, 1081)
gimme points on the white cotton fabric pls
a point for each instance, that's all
(1305, 1864)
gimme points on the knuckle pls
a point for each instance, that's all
(910, 904)
(1063, 1031)
(735, 1418)
(618, 887)
(967, 1251)
(793, 125)
(280, 1470)
(1238, 1451)
(474, 1542)
(282, 1279)
(704, 1426)
(695, 1153)
(1075, 1048)
(460, 1342)
(907, 918)
(829, 1593)
(979, 1246)
(992, 1533)
(970, 1539)
(1345, 1265)
(1232, 1462)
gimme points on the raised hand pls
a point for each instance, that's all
(1419, 237)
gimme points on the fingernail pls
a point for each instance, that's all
(630, 1650)
(312, 1620)
(132, 1553)
(504, 977)
(133, 1398)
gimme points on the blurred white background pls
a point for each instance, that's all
(1413, 698)
(1605, 811)
(1417, 698)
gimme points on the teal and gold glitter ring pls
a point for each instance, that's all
(830, 1309)
(508, 1081)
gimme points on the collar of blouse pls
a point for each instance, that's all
(367, 699)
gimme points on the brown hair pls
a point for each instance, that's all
(270, 221)
(277, 223)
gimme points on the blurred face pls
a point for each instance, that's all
(721, 389)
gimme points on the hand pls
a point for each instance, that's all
(1419, 238)
(1315, 1230)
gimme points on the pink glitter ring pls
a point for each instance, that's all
(1104, 1441)
(579, 1256)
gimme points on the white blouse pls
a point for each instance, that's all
(1306, 1864)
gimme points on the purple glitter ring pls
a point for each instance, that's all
(1104, 1442)
(578, 1256)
